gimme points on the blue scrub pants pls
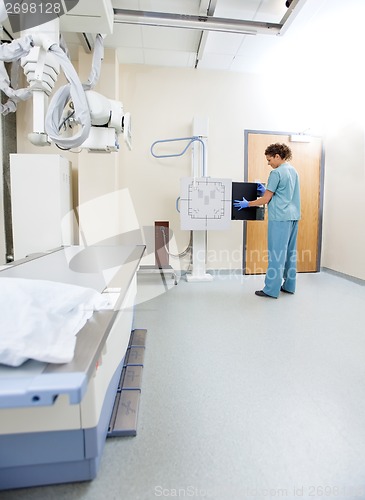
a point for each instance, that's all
(282, 266)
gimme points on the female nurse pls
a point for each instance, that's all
(282, 195)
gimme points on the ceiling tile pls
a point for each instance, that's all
(174, 6)
(236, 9)
(259, 54)
(125, 35)
(256, 45)
(190, 7)
(223, 43)
(169, 58)
(178, 47)
(216, 61)
(251, 10)
(170, 38)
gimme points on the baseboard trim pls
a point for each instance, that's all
(347, 277)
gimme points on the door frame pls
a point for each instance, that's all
(321, 182)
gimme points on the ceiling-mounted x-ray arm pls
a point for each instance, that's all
(41, 58)
(80, 112)
(41, 67)
(95, 121)
(41, 72)
(98, 57)
(10, 52)
(72, 91)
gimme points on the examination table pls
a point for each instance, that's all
(54, 418)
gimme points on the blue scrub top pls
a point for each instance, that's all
(284, 183)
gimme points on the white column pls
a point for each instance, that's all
(200, 168)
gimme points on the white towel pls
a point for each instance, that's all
(40, 319)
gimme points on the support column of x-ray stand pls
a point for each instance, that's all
(199, 258)
(200, 169)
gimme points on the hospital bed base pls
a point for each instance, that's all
(57, 456)
(60, 437)
(75, 455)
(124, 417)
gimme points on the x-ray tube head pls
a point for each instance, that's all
(104, 112)
(99, 107)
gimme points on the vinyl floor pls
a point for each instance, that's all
(243, 397)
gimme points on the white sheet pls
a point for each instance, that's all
(40, 319)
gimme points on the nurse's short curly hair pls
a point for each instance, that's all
(279, 149)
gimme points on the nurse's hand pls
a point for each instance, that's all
(240, 204)
(260, 189)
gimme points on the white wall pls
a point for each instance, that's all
(342, 83)
(163, 103)
(326, 65)
(344, 208)
(312, 79)
(313, 82)
(2, 229)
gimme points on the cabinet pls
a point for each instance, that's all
(41, 202)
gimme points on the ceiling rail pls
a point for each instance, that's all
(208, 23)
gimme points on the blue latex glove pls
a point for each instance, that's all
(260, 189)
(240, 204)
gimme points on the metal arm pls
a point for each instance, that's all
(191, 141)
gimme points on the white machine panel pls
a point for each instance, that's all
(205, 203)
(41, 201)
(89, 16)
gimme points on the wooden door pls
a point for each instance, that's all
(307, 160)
